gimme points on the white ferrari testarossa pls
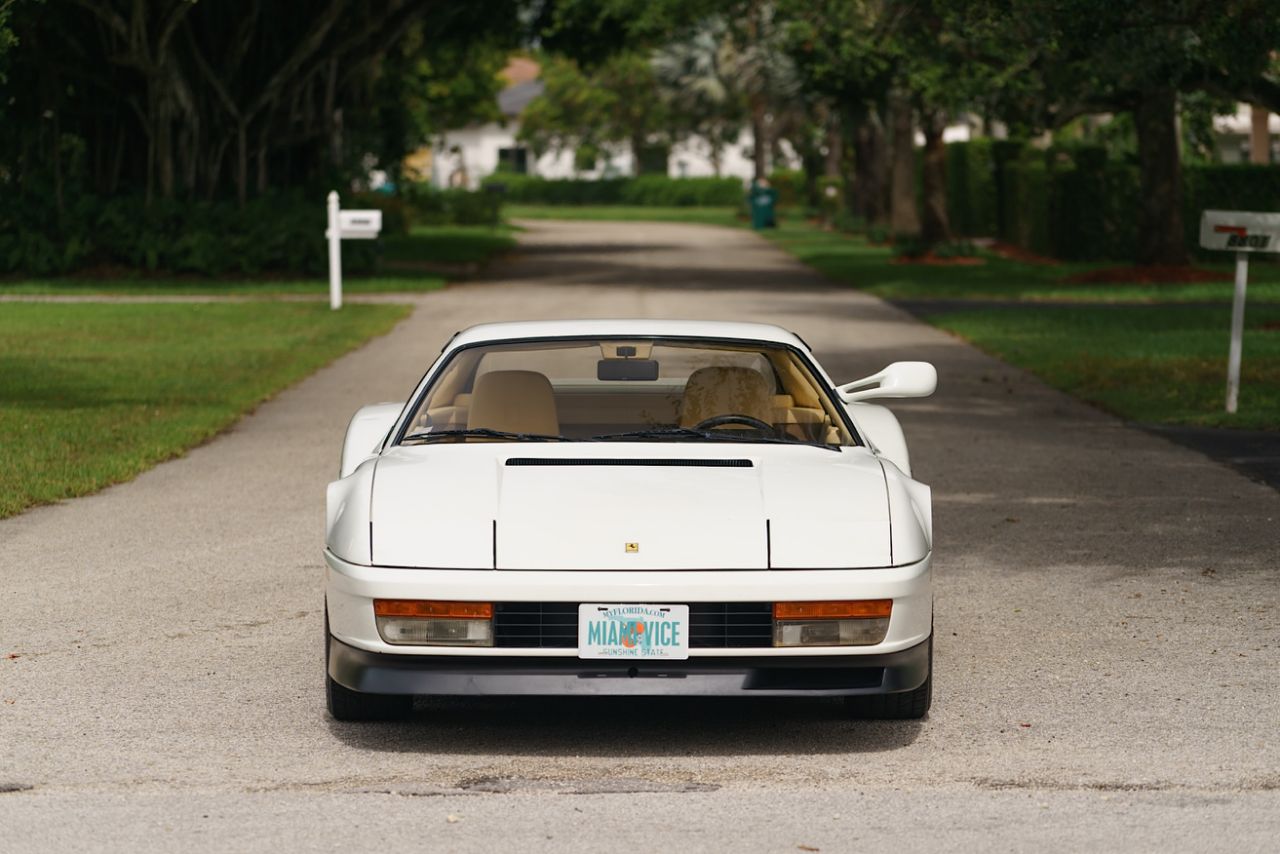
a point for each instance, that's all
(623, 507)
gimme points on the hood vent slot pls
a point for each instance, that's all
(608, 461)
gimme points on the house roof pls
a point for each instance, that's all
(513, 99)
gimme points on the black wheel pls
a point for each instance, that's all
(904, 706)
(347, 705)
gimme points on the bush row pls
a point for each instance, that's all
(644, 190)
(273, 233)
(430, 206)
(279, 233)
(1069, 202)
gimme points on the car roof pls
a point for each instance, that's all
(630, 328)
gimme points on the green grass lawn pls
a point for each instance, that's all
(850, 259)
(1158, 364)
(96, 394)
(625, 213)
(419, 261)
(1151, 360)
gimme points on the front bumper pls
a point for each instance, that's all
(351, 588)
(757, 676)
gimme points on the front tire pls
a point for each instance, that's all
(347, 705)
(902, 706)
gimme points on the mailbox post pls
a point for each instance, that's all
(1241, 232)
(346, 225)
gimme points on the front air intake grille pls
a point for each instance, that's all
(554, 625)
(610, 461)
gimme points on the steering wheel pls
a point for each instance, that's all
(744, 420)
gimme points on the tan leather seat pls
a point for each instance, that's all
(726, 391)
(514, 401)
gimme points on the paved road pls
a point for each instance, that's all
(1107, 631)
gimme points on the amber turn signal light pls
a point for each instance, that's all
(428, 608)
(865, 609)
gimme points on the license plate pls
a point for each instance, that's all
(633, 631)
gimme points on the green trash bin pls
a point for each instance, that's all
(763, 201)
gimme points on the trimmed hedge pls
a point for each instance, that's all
(1069, 202)
(279, 233)
(1234, 187)
(430, 206)
(790, 186)
(972, 196)
(276, 233)
(645, 190)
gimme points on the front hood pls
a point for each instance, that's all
(628, 507)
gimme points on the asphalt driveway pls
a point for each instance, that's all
(1107, 630)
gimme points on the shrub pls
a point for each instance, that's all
(645, 190)
(396, 217)
(661, 191)
(430, 206)
(790, 186)
(910, 247)
(282, 232)
(972, 205)
(877, 235)
(955, 249)
(830, 198)
(1027, 208)
(1237, 187)
(1068, 201)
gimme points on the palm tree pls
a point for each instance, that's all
(702, 98)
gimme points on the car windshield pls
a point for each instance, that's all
(614, 389)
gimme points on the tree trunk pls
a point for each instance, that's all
(262, 158)
(811, 161)
(335, 137)
(57, 167)
(242, 164)
(1259, 135)
(1160, 234)
(759, 138)
(868, 197)
(164, 145)
(214, 169)
(904, 217)
(117, 161)
(637, 146)
(835, 147)
(937, 227)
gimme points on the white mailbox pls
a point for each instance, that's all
(1240, 232)
(359, 225)
(346, 225)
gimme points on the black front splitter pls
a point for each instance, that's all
(756, 676)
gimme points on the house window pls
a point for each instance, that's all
(513, 160)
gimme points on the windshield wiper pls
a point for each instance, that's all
(486, 433)
(712, 435)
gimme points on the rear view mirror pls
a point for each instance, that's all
(901, 379)
(626, 369)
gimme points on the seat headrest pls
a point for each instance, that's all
(726, 391)
(514, 401)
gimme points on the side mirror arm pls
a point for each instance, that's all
(900, 379)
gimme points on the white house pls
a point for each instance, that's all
(462, 157)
